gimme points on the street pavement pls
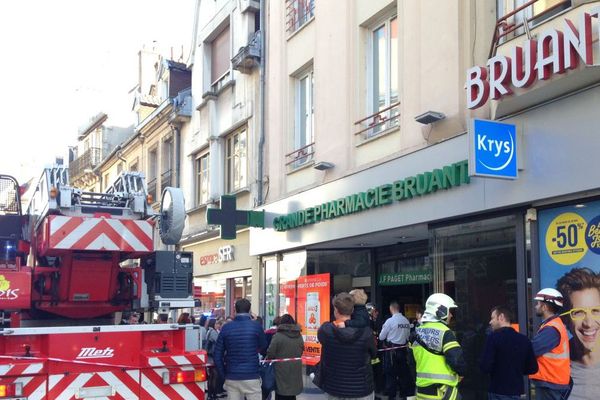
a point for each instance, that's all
(310, 391)
(311, 394)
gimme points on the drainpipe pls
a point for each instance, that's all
(261, 101)
(177, 155)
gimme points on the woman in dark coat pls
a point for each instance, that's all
(287, 343)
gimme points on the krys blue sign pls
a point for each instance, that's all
(492, 149)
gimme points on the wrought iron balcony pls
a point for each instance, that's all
(522, 19)
(88, 161)
(300, 157)
(249, 56)
(379, 122)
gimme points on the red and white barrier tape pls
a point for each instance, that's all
(61, 360)
(95, 363)
(404, 346)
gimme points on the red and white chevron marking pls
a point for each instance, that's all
(83, 233)
(176, 361)
(152, 386)
(124, 385)
(28, 375)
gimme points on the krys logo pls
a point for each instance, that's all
(6, 293)
(494, 147)
(496, 153)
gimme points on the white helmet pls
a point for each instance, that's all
(438, 306)
(551, 296)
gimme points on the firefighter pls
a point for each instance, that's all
(551, 347)
(440, 364)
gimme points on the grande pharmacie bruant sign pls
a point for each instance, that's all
(553, 52)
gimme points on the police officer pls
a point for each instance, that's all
(395, 333)
(551, 347)
(439, 358)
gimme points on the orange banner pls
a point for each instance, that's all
(313, 310)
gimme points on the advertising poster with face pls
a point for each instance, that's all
(570, 262)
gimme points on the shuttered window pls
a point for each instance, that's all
(220, 57)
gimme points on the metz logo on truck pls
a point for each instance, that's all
(6, 293)
(93, 352)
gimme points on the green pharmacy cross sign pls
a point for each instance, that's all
(229, 218)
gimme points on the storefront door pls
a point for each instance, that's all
(476, 264)
(403, 275)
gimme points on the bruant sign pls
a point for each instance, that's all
(553, 52)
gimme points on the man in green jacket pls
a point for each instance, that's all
(439, 358)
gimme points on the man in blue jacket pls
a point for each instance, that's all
(507, 357)
(236, 354)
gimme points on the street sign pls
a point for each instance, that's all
(229, 218)
(493, 149)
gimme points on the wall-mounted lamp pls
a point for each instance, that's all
(323, 165)
(430, 117)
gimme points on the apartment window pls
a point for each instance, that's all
(167, 155)
(304, 119)
(133, 167)
(220, 56)
(383, 75)
(152, 171)
(202, 178)
(167, 163)
(152, 164)
(298, 13)
(236, 158)
(535, 13)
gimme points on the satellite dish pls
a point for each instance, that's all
(172, 215)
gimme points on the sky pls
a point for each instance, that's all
(65, 61)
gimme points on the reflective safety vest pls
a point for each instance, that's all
(432, 368)
(555, 366)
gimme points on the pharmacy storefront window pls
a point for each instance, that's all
(476, 263)
(281, 274)
(404, 275)
(271, 290)
(350, 269)
(291, 267)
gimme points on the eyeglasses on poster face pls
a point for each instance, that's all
(577, 314)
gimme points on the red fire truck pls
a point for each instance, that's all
(71, 262)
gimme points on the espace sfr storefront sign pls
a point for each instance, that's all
(553, 52)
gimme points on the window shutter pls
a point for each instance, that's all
(220, 58)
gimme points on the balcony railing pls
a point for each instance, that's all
(517, 21)
(300, 157)
(87, 161)
(298, 13)
(152, 189)
(166, 179)
(249, 56)
(379, 122)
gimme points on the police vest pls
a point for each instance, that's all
(431, 367)
(554, 366)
